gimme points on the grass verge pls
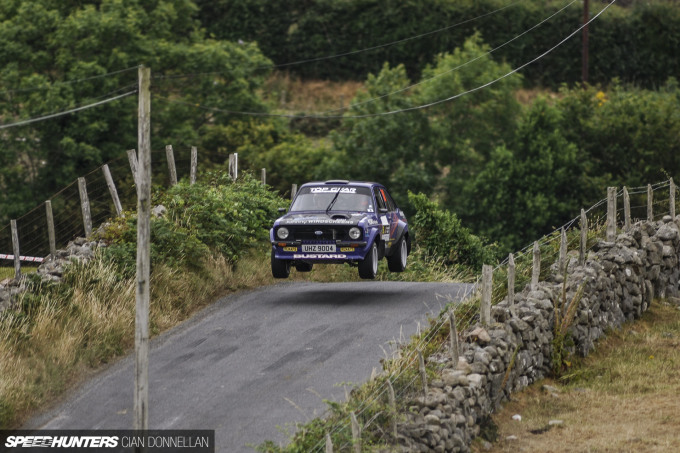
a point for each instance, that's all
(61, 333)
(621, 398)
(8, 272)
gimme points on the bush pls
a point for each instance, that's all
(213, 216)
(442, 234)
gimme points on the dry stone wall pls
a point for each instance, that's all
(619, 281)
(79, 250)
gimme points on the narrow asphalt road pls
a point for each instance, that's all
(255, 363)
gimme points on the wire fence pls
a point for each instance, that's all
(32, 227)
(401, 372)
(371, 406)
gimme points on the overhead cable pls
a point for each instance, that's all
(66, 112)
(66, 82)
(453, 69)
(348, 53)
(407, 109)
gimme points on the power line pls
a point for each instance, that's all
(312, 60)
(66, 82)
(348, 53)
(457, 67)
(408, 109)
(66, 112)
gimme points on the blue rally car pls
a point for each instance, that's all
(340, 222)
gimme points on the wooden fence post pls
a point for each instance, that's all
(487, 282)
(15, 249)
(233, 166)
(562, 260)
(650, 201)
(293, 191)
(511, 280)
(393, 407)
(85, 207)
(112, 189)
(584, 238)
(141, 389)
(264, 176)
(356, 433)
(626, 210)
(423, 373)
(170, 156)
(536, 269)
(453, 339)
(194, 165)
(672, 199)
(132, 158)
(50, 229)
(611, 214)
(329, 444)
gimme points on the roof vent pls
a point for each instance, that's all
(337, 181)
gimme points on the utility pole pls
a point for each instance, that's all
(141, 393)
(584, 51)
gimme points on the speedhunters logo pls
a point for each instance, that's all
(152, 441)
(62, 441)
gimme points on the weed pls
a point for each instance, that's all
(563, 316)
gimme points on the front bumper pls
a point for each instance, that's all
(344, 251)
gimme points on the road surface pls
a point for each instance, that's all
(252, 364)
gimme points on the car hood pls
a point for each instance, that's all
(317, 218)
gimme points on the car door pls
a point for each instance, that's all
(389, 217)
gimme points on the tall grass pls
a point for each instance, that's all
(59, 333)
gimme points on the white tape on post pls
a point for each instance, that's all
(30, 259)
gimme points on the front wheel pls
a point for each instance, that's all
(280, 268)
(397, 262)
(368, 267)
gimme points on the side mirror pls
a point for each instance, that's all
(382, 210)
(282, 210)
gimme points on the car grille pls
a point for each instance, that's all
(327, 233)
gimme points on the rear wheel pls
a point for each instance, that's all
(368, 267)
(397, 262)
(280, 268)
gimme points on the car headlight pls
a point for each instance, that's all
(354, 233)
(282, 233)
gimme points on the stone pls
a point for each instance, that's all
(159, 211)
(479, 334)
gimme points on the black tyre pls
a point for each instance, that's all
(304, 267)
(280, 268)
(397, 262)
(368, 267)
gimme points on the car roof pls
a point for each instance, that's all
(341, 182)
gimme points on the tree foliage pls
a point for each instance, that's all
(391, 148)
(442, 235)
(634, 40)
(61, 55)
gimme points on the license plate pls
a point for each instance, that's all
(319, 248)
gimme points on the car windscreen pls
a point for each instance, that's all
(333, 198)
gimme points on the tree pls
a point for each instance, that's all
(536, 186)
(466, 129)
(60, 55)
(390, 148)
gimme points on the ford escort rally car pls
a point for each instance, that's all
(340, 222)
